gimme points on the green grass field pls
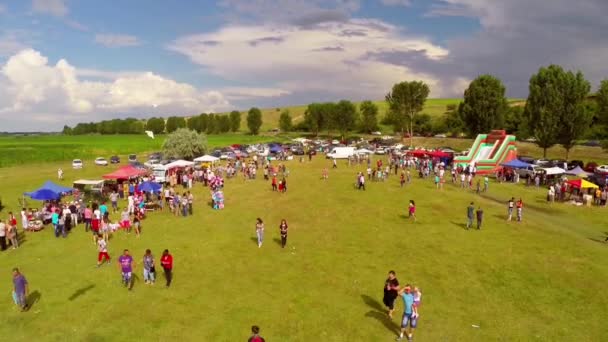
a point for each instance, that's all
(541, 280)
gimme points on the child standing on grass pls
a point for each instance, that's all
(520, 208)
(137, 225)
(412, 210)
(149, 271)
(102, 248)
(417, 301)
(259, 231)
(125, 262)
(283, 230)
(479, 214)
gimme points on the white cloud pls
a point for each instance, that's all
(117, 40)
(330, 59)
(56, 8)
(2, 9)
(37, 95)
(396, 2)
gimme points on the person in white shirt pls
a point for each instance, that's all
(131, 205)
(24, 221)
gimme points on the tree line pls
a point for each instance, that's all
(203, 123)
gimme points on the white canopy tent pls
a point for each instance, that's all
(206, 159)
(554, 171)
(179, 163)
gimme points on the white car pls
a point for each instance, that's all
(77, 164)
(377, 133)
(603, 169)
(101, 161)
(380, 150)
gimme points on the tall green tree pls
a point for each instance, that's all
(552, 108)
(193, 123)
(329, 112)
(314, 119)
(67, 130)
(285, 123)
(369, 116)
(484, 105)
(516, 122)
(202, 122)
(345, 116)
(254, 120)
(235, 120)
(184, 143)
(602, 102)
(224, 123)
(212, 124)
(156, 125)
(575, 119)
(453, 121)
(175, 122)
(405, 100)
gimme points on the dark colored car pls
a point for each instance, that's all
(114, 160)
(298, 152)
(592, 143)
(574, 163)
(526, 159)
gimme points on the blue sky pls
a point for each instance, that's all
(67, 61)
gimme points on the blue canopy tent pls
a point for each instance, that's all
(44, 195)
(149, 186)
(49, 191)
(516, 164)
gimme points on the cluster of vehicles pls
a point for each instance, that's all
(101, 161)
(600, 171)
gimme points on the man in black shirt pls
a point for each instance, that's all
(391, 288)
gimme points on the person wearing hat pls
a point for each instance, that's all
(408, 310)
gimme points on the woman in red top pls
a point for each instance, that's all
(166, 261)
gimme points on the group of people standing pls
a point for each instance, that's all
(259, 232)
(411, 297)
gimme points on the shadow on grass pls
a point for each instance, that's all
(32, 299)
(605, 241)
(459, 224)
(254, 239)
(378, 313)
(81, 292)
(277, 241)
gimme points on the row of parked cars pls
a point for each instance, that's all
(101, 161)
(537, 164)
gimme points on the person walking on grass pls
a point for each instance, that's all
(114, 200)
(255, 330)
(149, 271)
(2, 235)
(102, 248)
(520, 208)
(510, 206)
(125, 262)
(412, 210)
(479, 214)
(408, 320)
(470, 215)
(283, 230)
(259, 231)
(12, 234)
(391, 289)
(166, 261)
(486, 183)
(20, 289)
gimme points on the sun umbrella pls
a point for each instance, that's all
(582, 184)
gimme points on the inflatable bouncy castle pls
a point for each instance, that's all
(489, 151)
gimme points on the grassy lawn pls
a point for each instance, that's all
(541, 280)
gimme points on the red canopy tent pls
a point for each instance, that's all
(125, 172)
(440, 154)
